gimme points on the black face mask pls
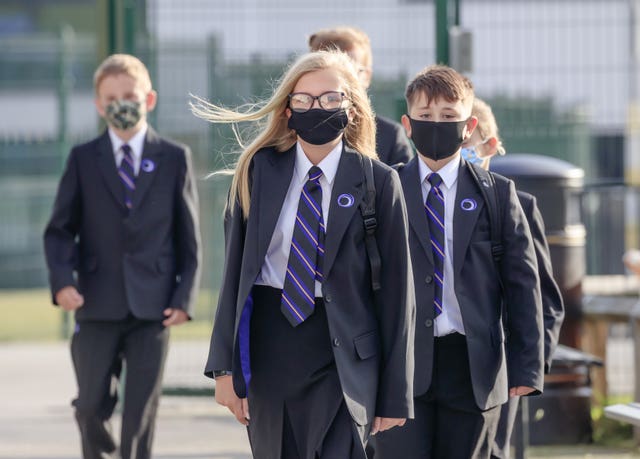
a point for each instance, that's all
(317, 126)
(437, 140)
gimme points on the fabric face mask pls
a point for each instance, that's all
(470, 155)
(318, 126)
(123, 114)
(437, 140)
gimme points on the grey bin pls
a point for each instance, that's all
(562, 414)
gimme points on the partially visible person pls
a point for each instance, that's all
(303, 351)
(392, 144)
(483, 144)
(464, 368)
(123, 252)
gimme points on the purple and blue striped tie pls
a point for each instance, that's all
(434, 207)
(306, 255)
(126, 171)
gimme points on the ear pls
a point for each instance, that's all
(287, 112)
(99, 108)
(152, 100)
(492, 146)
(472, 122)
(406, 124)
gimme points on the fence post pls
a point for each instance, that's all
(65, 44)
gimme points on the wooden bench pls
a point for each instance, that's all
(629, 413)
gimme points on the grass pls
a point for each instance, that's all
(28, 315)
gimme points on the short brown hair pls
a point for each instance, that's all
(440, 82)
(343, 39)
(118, 64)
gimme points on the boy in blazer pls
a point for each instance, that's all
(479, 148)
(464, 368)
(123, 252)
(392, 144)
(303, 351)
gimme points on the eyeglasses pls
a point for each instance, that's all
(302, 102)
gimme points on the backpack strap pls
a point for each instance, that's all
(368, 211)
(487, 185)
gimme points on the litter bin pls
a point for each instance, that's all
(562, 414)
(557, 186)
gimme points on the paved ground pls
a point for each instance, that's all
(36, 420)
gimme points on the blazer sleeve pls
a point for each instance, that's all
(60, 247)
(519, 273)
(187, 233)
(222, 337)
(552, 304)
(395, 303)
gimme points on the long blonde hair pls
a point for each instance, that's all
(359, 133)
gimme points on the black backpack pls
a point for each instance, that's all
(486, 184)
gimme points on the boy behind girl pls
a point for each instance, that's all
(392, 144)
(123, 252)
(464, 368)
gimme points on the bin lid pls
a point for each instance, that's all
(527, 165)
(570, 356)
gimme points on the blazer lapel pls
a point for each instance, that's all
(415, 205)
(109, 170)
(468, 206)
(150, 162)
(274, 180)
(349, 177)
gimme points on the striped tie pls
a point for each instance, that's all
(435, 216)
(306, 255)
(127, 174)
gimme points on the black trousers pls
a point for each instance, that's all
(502, 444)
(99, 351)
(295, 399)
(448, 423)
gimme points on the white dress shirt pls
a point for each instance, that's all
(450, 320)
(277, 258)
(136, 143)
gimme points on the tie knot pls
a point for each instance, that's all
(434, 179)
(315, 173)
(126, 149)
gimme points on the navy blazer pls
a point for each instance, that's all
(495, 364)
(392, 143)
(552, 304)
(141, 260)
(372, 344)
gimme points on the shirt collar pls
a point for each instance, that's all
(136, 142)
(448, 173)
(329, 165)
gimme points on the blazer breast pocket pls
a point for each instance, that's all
(366, 345)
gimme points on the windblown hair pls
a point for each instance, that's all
(359, 133)
(118, 64)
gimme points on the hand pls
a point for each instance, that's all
(174, 317)
(382, 424)
(520, 390)
(226, 396)
(69, 299)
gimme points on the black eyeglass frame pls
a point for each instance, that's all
(314, 98)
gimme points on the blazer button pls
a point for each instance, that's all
(428, 279)
(428, 323)
(327, 298)
(336, 342)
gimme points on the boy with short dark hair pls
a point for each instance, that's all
(464, 368)
(123, 251)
